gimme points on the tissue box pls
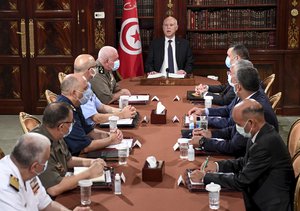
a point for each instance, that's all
(153, 174)
(158, 118)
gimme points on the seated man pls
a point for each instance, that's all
(224, 94)
(181, 57)
(20, 188)
(83, 137)
(104, 84)
(94, 111)
(247, 86)
(265, 174)
(58, 123)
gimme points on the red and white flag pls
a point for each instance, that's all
(130, 49)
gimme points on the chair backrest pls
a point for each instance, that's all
(274, 99)
(267, 83)
(297, 196)
(28, 122)
(293, 140)
(50, 96)
(1, 153)
(296, 164)
(61, 76)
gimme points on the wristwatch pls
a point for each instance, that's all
(201, 142)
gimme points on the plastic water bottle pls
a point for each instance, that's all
(191, 153)
(118, 184)
(191, 123)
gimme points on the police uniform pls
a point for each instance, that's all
(78, 139)
(57, 162)
(17, 195)
(91, 108)
(104, 85)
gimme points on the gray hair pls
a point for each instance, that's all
(69, 84)
(30, 148)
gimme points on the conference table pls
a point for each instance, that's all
(157, 140)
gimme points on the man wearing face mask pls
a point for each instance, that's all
(247, 85)
(224, 94)
(58, 123)
(265, 174)
(94, 110)
(104, 84)
(20, 188)
(83, 137)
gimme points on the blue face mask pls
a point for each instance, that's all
(227, 62)
(241, 130)
(87, 94)
(116, 65)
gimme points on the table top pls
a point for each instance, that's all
(157, 140)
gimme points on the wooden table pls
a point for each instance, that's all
(157, 140)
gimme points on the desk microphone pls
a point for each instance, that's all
(167, 70)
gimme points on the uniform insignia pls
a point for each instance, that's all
(14, 182)
(100, 69)
(34, 185)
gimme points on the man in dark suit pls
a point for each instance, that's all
(224, 94)
(247, 85)
(158, 58)
(265, 174)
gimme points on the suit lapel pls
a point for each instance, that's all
(177, 51)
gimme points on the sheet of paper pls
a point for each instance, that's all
(127, 121)
(156, 75)
(137, 98)
(78, 170)
(127, 142)
(194, 183)
(175, 75)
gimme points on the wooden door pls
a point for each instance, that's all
(38, 40)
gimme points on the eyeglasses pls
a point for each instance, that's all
(67, 122)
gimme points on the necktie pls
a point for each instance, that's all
(170, 58)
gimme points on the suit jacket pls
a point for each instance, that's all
(225, 112)
(223, 94)
(184, 57)
(265, 174)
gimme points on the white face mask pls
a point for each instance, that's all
(116, 65)
(70, 129)
(229, 80)
(227, 62)
(44, 169)
(86, 95)
(241, 130)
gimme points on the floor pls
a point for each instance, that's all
(10, 129)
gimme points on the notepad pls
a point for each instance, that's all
(137, 98)
(156, 75)
(124, 142)
(194, 183)
(127, 121)
(175, 75)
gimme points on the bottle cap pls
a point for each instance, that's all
(212, 187)
(117, 176)
(85, 183)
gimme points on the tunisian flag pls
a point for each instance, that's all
(130, 49)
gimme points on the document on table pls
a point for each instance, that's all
(137, 98)
(127, 121)
(156, 75)
(194, 183)
(175, 75)
(124, 142)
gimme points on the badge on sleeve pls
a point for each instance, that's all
(14, 182)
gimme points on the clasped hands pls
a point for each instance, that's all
(198, 174)
(128, 112)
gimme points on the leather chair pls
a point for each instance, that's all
(296, 164)
(1, 153)
(61, 76)
(297, 196)
(274, 99)
(267, 83)
(293, 140)
(50, 96)
(28, 122)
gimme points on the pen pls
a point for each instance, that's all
(107, 168)
(205, 163)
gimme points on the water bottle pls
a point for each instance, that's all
(191, 153)
(118, 184)
(191, 123)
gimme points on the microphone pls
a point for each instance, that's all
(167, 71)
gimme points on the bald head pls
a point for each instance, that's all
(170, 27)
(73, 82)
(248, 109)
(56, 113)
(107, 52)
(83, 62)
(30, 147)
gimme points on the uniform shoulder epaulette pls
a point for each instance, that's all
(100, 69)
(14, 182)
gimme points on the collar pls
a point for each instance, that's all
(251, 95)
(254, 137)
(167, 39)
